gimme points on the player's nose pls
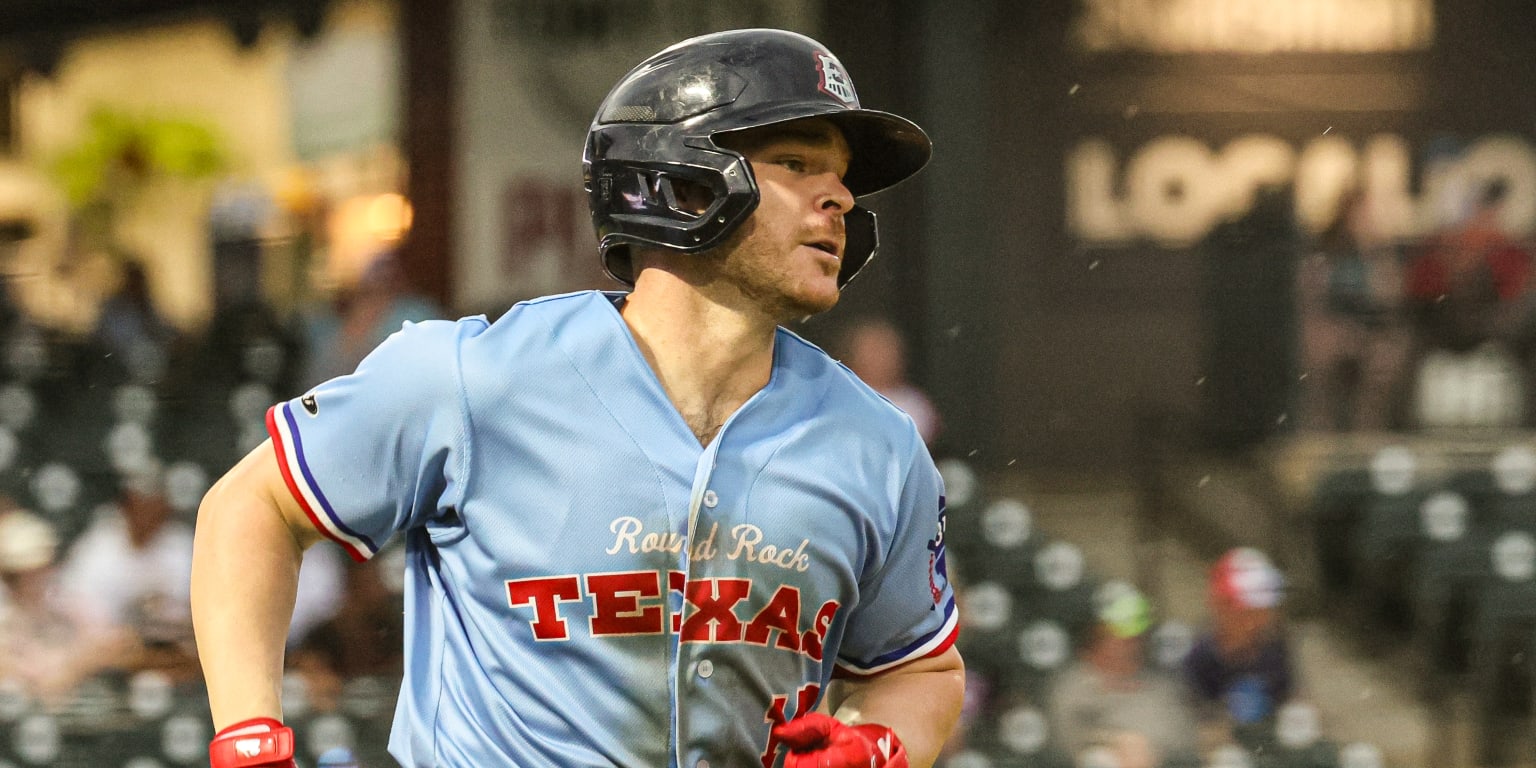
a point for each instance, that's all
(834, 196)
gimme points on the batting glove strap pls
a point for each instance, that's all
(820, 741)
(256, 743)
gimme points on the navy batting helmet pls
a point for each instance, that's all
(658, 125)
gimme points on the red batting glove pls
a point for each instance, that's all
(260, 742)
(821, 741)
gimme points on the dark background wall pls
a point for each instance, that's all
(1041, 349)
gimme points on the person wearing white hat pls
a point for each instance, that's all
(44, 645)
(132, 566)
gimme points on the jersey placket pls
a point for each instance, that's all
(702, 474)
(702, 501)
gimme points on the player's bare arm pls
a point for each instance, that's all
(920, 701)
(250, 539)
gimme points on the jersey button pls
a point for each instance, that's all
(701, 764)
(706, 668)
(710, 499)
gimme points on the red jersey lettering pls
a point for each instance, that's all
(811, 641)
(805, 699)
(781, 613)
(714, 619)
(544, 593)
(616, 603)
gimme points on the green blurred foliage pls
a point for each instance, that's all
(120, 152)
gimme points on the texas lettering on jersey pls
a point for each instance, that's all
(617, 610)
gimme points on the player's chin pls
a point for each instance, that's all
(814, 297)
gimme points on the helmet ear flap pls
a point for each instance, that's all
(861, 238)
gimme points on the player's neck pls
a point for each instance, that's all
(709, 357)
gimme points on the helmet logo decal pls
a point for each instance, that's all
(834, 81)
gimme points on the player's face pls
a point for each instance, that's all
(787, 254)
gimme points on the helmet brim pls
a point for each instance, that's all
(886, 148)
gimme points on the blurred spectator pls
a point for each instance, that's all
(1111, 698)
(216, 394)
(322, 591)
(1249, 296)
(1240, 669)
(1467, 288)
(223, 355)
(873, 349)
(130, 326)
(364, 637)
(362, 317)
(131, 569)
(45, 643)
(1355, 341)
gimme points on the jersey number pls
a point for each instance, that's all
(805, 699)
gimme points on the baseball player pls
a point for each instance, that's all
(643, 528)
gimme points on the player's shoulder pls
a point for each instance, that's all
(426, 341)
(555, 310)
(534, 328)
(846, 397)
(573, 301)
(437, 330)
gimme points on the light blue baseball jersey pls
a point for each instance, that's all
(588, 585)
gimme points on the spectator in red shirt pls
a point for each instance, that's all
(1468, 287)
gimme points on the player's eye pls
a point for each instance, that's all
(793, 164)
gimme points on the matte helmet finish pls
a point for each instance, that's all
(657, 126)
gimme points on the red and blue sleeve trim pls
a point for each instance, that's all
(290, 459)
(932, 644)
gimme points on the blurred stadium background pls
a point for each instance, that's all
(1185, 275)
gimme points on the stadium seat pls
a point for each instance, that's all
(1503, 659)
(1338, 503)
(1476, 484)
(184, 737)
(1057, 586)
(1231, 756)
(1296, 741)
(1360, 754)
(1015, 736)
(1042, 648)
(316, 734)
(967, 758)
(1514, 474)
(369, 702)
(32, 740)
(996, 542)
(1389, 542)
(963, 499)
(1169, 644)
(1356, 514)
(1448, 577)
(989, 631)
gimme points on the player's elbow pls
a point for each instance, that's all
(250, 505)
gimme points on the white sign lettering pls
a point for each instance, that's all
(1174, 189)
(1255, 26)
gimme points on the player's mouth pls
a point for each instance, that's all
(827, 245)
